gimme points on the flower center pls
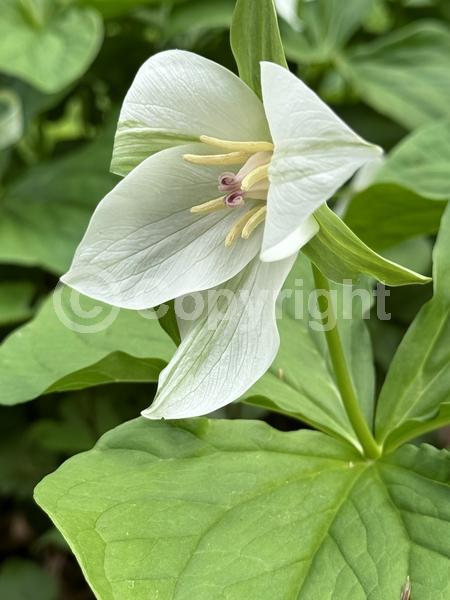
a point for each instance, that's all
(251, 182)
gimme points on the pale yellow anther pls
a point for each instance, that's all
(253, 222)
(232, 158)
(238, 227)
(247, 147)
(254, 177)
(210, 206)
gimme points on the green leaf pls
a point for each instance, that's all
(234, 509)
(22, 579)
(415, 253)
(404, 75)
(415, 396)
(47, 44)
(341, 255)
(11, 119)
(44, 214)
(327, 25)
(15, 301)
(168, 321)
(255, 37)
(399, 213)
(409, 190)
(420, 162)
(79, 419)
(310, 393)
(75, 342)
(380, 19)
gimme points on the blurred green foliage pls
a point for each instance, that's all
(65, 66)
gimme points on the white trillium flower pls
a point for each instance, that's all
(222, 213)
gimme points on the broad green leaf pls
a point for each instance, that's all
(327, 25)
(404, 75)
(234, 509)
(78, 420)
(15, 301)
(386, 214)
(75, 342)
(297, 47)
(11, 119)
(330, 23)
(415, 253)
(420, 162)
(415, 395)
(46, 43)
(22, 464)
(44, 214)
(33, 101)
(341, 255)
(380, 18)
(22, 579)
(386, 337)
(409, 192)
(255, 37)
(301, 383)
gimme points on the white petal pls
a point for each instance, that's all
(219, 359)
(177, 93)
(293, 242)
(315, 152)
(143, 246)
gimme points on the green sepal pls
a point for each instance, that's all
(341, 255)
(133, 144)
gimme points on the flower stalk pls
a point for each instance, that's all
(343, 377)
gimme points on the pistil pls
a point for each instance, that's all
(229, 182)
(235, 199)
(251, 182)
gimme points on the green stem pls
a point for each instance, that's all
(342, 373)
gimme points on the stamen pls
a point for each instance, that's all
(210, 206)
(254, 221)
(228, 182)
(235, 199)
(254, 177)
(247, 147)
(232, 158)
(237, 228)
